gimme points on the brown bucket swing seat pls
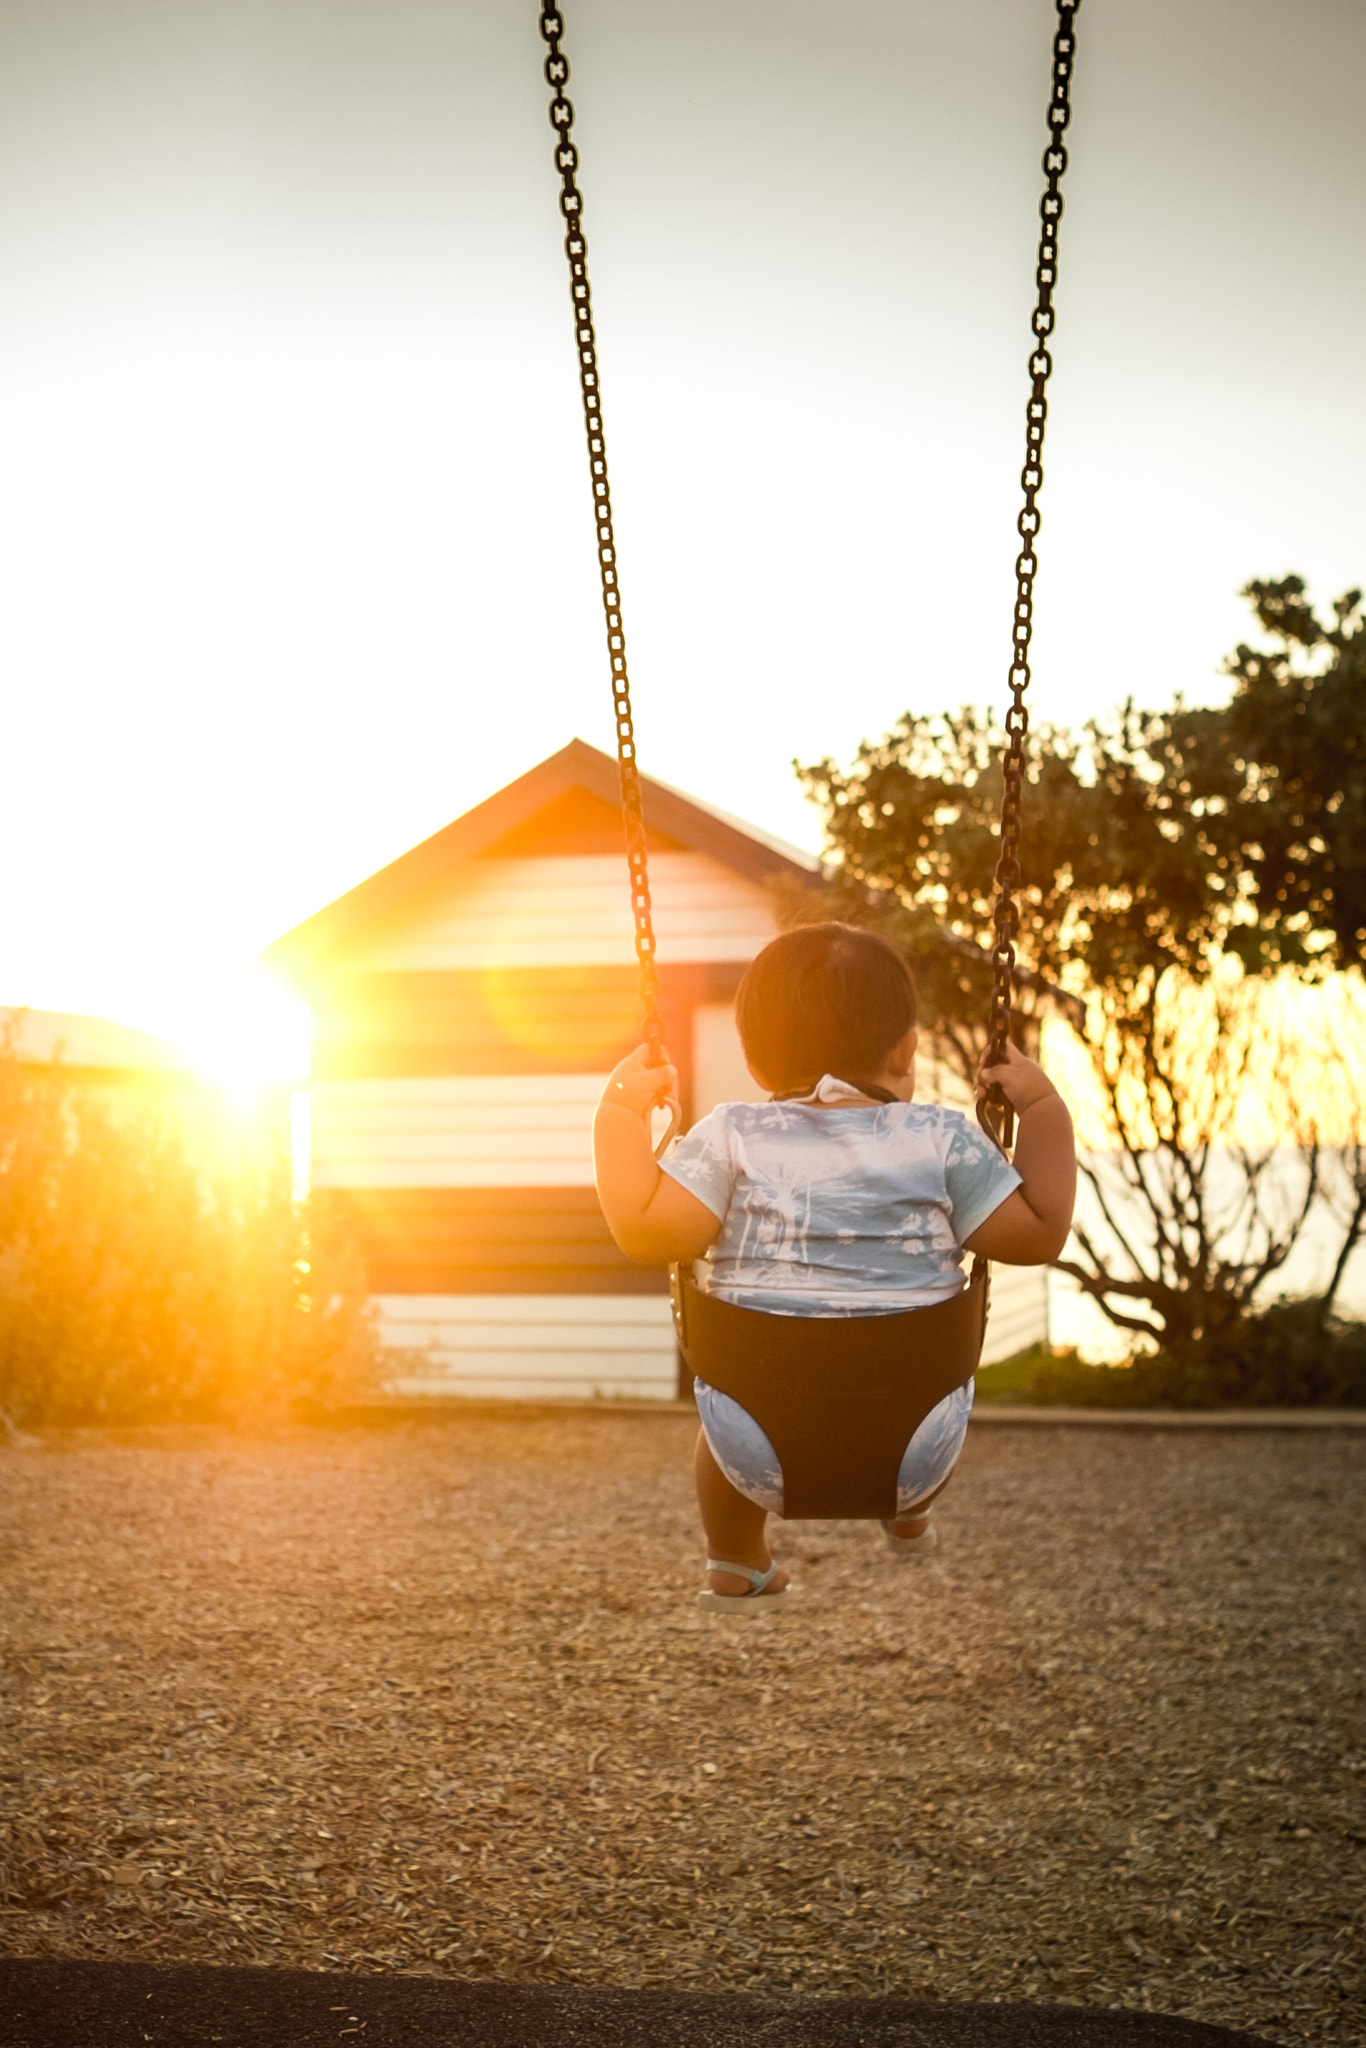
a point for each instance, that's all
(839, 1398)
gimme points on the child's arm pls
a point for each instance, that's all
(651, 1217)
(1030, 1227)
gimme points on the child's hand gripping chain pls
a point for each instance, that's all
(651, 1217)
(1030, 1227)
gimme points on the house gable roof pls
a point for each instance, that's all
(505, 823)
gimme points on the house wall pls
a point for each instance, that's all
(455, 1131)
(532, 1347)
(458, 1058)
(574, 911)
(719, 1070)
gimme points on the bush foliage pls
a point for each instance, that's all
(149, 1274)
(1287, 1356)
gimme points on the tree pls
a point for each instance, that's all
(1294, 736)
(1152, 908)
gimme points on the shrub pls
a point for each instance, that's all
(149, 1274)
(1287, 1355)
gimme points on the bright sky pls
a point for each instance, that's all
(297, 558)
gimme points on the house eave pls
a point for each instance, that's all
(328, 934)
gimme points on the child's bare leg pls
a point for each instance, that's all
(734, 1526)
(916, 1520)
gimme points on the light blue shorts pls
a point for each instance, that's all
(750, 1462)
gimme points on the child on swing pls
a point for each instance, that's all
(841, 1196)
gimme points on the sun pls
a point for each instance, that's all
(245, 1032)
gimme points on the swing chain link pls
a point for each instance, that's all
(1006, 913)
(576, 250)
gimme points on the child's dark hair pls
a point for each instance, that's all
(823, 999)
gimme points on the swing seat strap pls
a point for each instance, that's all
(838, 1398)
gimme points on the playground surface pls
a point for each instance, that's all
(432, 1698)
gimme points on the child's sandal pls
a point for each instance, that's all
(743, 1606)
(911, 1546)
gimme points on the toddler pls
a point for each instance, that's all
(841, 1196)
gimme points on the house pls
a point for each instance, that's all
(469, 1001)
(95, 1051)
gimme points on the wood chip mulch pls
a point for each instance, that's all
(433, 1698)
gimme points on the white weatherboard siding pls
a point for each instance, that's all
(719, 1070)
(575, 911)
(530, 1347)
(456, 1131)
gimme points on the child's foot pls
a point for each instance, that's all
(757, 1592)
(910, 1535)
(734, 1586)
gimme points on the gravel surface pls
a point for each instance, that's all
(433, 1698)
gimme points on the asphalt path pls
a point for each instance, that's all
(50, 2002)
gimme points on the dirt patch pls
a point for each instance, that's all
(434, 1698)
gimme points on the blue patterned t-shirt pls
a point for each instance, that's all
(854, 1209)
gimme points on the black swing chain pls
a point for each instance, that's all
(576, 249)
(1006, 913)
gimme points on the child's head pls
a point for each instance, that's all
(823, 999)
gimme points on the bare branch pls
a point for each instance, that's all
(1097, 1286)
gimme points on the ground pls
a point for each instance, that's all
(434, 1698)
